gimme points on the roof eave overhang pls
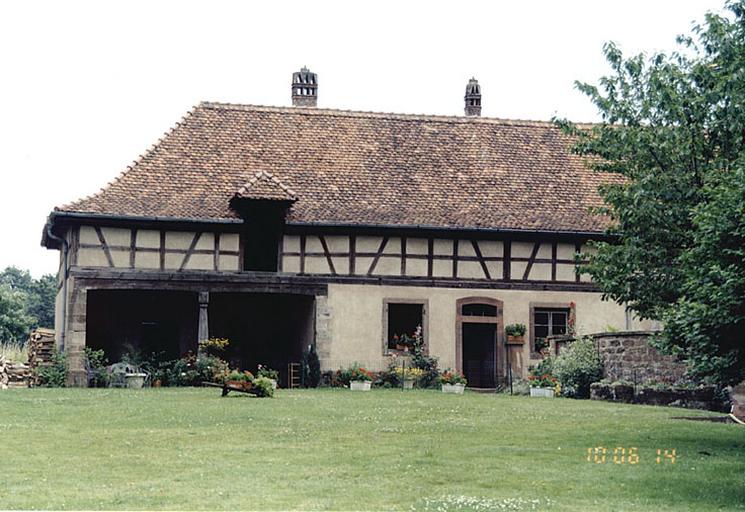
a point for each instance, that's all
(432, 229)
(58, 219)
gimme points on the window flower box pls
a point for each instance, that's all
(515, 334)
(360, 385)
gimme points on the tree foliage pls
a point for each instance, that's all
(673, 126)
(28, 303)
(13, 320)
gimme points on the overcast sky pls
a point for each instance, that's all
(86, 87)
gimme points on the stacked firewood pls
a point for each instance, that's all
(40, 347)
(14, 375)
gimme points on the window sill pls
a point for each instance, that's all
(392, 352)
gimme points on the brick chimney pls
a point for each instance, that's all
(304, 88)
(473, 98)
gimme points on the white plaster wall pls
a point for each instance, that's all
(357, 318)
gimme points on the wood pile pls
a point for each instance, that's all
(14, 375)
(40, 347)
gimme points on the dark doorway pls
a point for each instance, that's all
(141, 323)
(479, 354)
(268, 329)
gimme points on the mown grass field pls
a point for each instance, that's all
(343, 450)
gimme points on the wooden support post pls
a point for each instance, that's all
(203, 331)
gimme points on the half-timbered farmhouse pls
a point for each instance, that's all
(285, 227)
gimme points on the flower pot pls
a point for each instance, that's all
(408, 384)
(542, 392)
(274, 384)
(360, 385)
(453, 388)
(135, 380)
(515, 340)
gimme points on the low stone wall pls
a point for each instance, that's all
(628, 356)
(703, 397)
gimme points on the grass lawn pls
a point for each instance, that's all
(337, 449)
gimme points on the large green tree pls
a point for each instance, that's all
(673, 125)
(36, 295)
(14, 323)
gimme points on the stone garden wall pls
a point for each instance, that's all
(628, 356)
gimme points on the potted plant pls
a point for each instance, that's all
(360, 379)
(543, 385)
(126, 375)
(515, 334)
(240, 380)
(268, 373)
(409, 376)
(453, 382)
(403, 342)
(541, 346)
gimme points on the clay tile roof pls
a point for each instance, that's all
(264, 185)
(360, 168)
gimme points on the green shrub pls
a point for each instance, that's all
(265, 371)
(263, 387)
(545, 367)
(96, 363)
(428, 364)
(214, 346)
(238, 376)
(55, 374)
(190, 370)
(577, 367)
(311, 368)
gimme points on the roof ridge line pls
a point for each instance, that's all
(377, 115)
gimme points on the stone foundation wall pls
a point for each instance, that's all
(629, 356)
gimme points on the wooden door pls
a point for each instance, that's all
(480, 354)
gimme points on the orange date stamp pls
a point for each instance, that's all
(623, 455)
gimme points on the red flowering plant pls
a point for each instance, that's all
(542, 376)
(356, 372)
(452, 377)
(542, 381)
